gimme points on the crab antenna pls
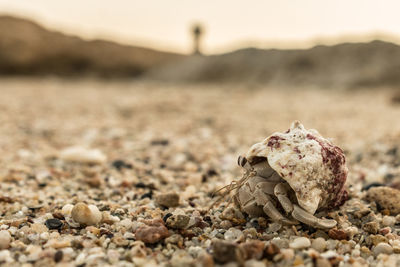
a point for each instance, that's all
(232, 186)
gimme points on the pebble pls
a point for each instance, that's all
(168, 200)
(38, 228)
(53, 224)
(153, 232)
(386, 197)
(67, 209)
(338, 234)
(371, 227)
(225, 251)
(5, 256)
(300, 242)
(233, 234)
(58, 256)
(179, 221)
(5, 239)
(86, 214)
(388, 221)
(287, 253)
(382, 248)
(321, 262)
(83, 155)
(253, 249)
(271, 250)
(319, 244)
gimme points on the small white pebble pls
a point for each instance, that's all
(287, 253)
(126, 223)
(44, 236)
(300, 242)
(5, 239)
(66, 210)
(382, 248)
(388, 221)
(5, 256)
(319, 244)
(86, 215)
(233, 234)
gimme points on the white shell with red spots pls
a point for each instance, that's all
(313, 167)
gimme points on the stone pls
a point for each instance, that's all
(300, 242)
(86, 214)
(178, 221)
(5, 239)
(83, 155)
(321, 262)
(58, 256)
(53, 224)
(225, 251)
(271, 250)
(66, 210)
(319, 244)
(386, 197)
(338, 234)
(382, 248)
(153, 232)
(168, 200)
(371, 227)
(38, 228)
(233, 234)
(388, 221)
(253, 249)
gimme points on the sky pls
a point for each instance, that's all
(228, 24)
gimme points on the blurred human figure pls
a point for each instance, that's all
(197, 31)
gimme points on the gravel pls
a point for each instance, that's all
(140, 192)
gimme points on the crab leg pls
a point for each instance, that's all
(307, 218)
(281, 192)
(269, 208)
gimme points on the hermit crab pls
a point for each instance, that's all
(289, 176)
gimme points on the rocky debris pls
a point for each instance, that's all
(153, 232)
(168, 200)
(386, 197)
(5, 239)
(86, 214)
(83, 155)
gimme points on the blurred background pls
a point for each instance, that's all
(313, 43)
(172, 68)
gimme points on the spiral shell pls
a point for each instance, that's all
(313, 167)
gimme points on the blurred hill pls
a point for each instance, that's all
(27, 48)
(346, 65)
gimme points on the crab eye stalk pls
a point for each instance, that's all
(242, 161)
